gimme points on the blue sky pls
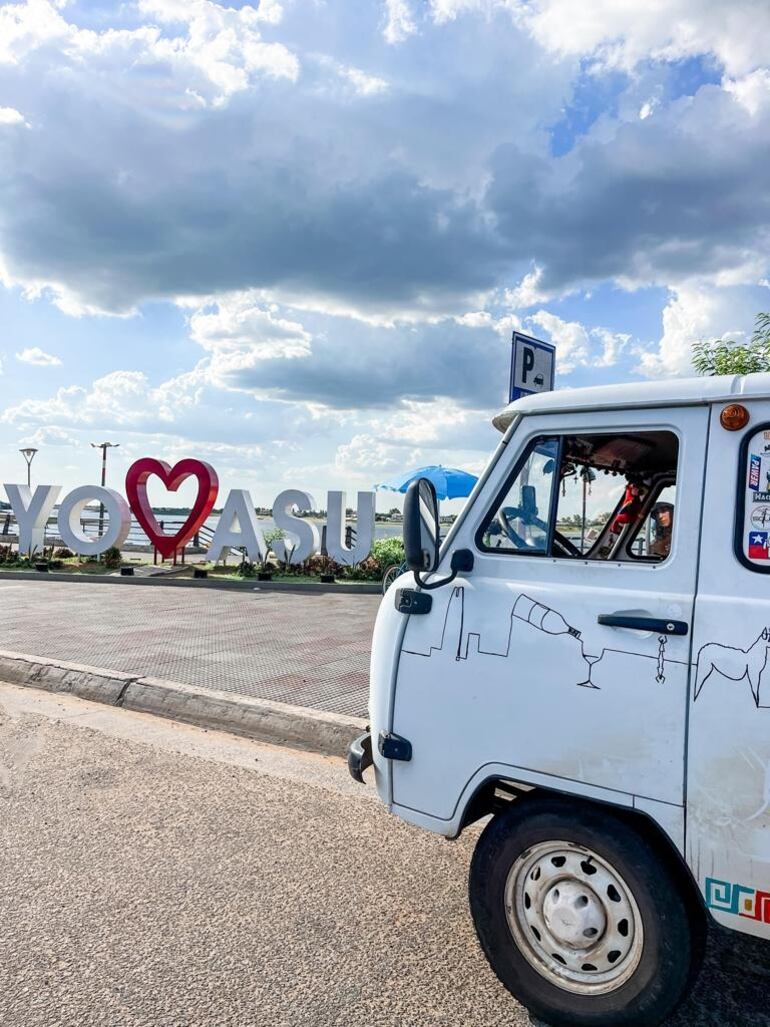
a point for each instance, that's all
(293, 237)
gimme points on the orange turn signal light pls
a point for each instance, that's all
(734, 417)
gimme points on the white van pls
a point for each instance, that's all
(587, 660)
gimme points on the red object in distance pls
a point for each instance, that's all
(172, 478)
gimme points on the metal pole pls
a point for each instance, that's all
(28, 452)
(104, 446)
(104, 479)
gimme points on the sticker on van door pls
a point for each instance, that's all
(758, 545)
(760, 517)
(753, 525)
(755, 470)
(738, 899)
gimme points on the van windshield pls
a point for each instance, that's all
(590, 496)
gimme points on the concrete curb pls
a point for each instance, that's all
(164, 581)
(261, 719)
(106, 686)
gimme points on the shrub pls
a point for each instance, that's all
(366, 570)
(385, 552)
(317, 564)
(112, 558)
(63, 554)
(388, 551)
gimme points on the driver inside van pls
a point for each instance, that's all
(663, 524)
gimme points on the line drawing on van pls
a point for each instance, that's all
(735, 665)
(540, 618)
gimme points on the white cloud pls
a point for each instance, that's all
(449, 10)
(612, 343)
(528, 292)
(239, 334)
(53, 436)
(10, 116)
(752, 91)
(363, 84)
(699, 313)
(371, 455)
(118, 398)
(621, 33)
(25, 27)
(211, 51)
(570, 338)
(236, 323)
(38, 357)
(400, 21)
(356, 80)
(578, 346)
(475, 319)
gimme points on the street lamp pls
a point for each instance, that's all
(28, 453)
(104, 446)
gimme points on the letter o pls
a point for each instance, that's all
(116, 509)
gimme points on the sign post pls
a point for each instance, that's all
(532, 366)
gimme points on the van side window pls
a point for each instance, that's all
(520, 521)
(589, 496)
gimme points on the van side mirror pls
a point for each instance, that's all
(421, 526)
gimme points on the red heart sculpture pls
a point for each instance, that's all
(172, 478)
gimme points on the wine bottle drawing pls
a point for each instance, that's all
(552, 623)
(542, 617)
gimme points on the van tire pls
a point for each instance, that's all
(515, 889)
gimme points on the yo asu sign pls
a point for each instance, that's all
(238, 526)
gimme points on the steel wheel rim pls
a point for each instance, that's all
(573, 918)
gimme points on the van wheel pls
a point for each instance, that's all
(582, 918)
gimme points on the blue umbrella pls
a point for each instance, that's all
(449, 482)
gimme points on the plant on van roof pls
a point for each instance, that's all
(725, 356)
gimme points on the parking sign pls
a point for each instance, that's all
(532, 366)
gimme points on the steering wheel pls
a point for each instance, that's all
(566, 544)
(508, 514)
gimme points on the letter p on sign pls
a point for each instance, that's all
(532, 366)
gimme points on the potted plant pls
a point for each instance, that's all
(246, 568)
(327, 570)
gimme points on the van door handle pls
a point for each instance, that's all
(661, 627)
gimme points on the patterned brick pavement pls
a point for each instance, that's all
(305, 650)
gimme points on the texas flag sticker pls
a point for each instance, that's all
(758, 545)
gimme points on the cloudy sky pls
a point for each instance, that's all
(293, 237)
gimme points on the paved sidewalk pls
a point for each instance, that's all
(304, 650)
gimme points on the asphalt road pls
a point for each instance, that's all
(156, 875)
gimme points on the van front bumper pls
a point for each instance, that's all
(360, 756)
